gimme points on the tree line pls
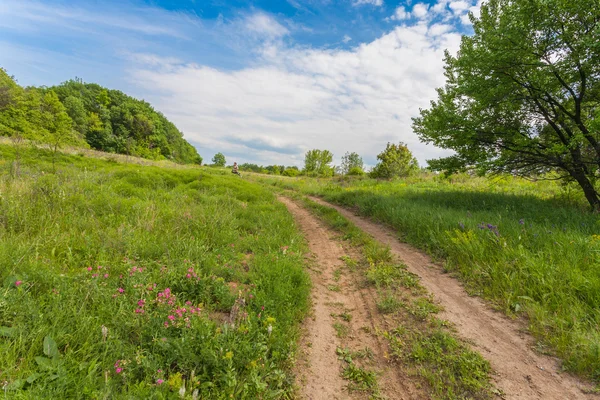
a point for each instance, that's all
(395, 161)
(82, 114)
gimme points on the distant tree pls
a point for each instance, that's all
(395, 161)
(352, 164)
(219, 160)
(523, 94)
(317, 162)
(291, 171)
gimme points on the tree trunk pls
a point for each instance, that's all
(588, 190)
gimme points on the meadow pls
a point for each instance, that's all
(128, 281)
(531, 248)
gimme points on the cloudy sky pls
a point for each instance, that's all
(262, 81)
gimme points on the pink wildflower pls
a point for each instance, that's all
(171, 317)
(120, 290)
(188, 276)
(141, 302)
(105, 276)
(18, 283)
(89, 268)
(166, 324)
(159, 381)
(119, 370)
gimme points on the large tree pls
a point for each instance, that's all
(523, 93)
(352, 164)
(394, 162)
(317, 162)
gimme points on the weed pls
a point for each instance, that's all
(342, 330)
(388, 304)
(337, 274)
(334, 288)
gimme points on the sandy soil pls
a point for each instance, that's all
(318, 368)
(520, 372)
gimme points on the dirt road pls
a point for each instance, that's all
(335, 294)
(520, 372)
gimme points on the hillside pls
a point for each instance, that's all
(86, 114)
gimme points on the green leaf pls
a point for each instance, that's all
(7, 331)
(32, 378)
(50, 347)
(44, 363)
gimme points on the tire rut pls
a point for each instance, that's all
(318, 368)
(520, 372)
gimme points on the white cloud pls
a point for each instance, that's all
(400, 14)
(475, 10)
(377, 3)
(440, 7)
(420, 10)
(458, 7)
(295, 99)
(264, 25)
(30, 15)
(346, 39)
(439, 29)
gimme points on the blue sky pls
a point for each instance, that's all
(261, 81)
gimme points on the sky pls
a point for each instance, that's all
(262, 81)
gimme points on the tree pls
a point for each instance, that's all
(523, 94)
(395, 161)
(58, 123)
(76, 111)
(219, 160)
(352, 164)
(316, 162)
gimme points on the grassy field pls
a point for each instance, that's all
(128, 281)
(532, 248)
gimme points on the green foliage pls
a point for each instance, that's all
(317, 162)
(522, 94)
(395, 161)
(219, 160)
(76, 113)
(291, 171)
(122, 281)
(352, 164)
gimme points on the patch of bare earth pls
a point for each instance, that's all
(344, 315)
(520, 372)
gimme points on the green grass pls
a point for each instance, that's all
(122, 281)
(532, 248)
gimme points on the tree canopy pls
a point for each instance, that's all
(352, 164)
(395, 161)
(317, 162)
(523, 93)
(82, 114)
(219, 160)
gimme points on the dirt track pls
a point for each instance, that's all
(520, 372)
(318, 369)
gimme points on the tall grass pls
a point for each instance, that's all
(532, 248)
(121, 281)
